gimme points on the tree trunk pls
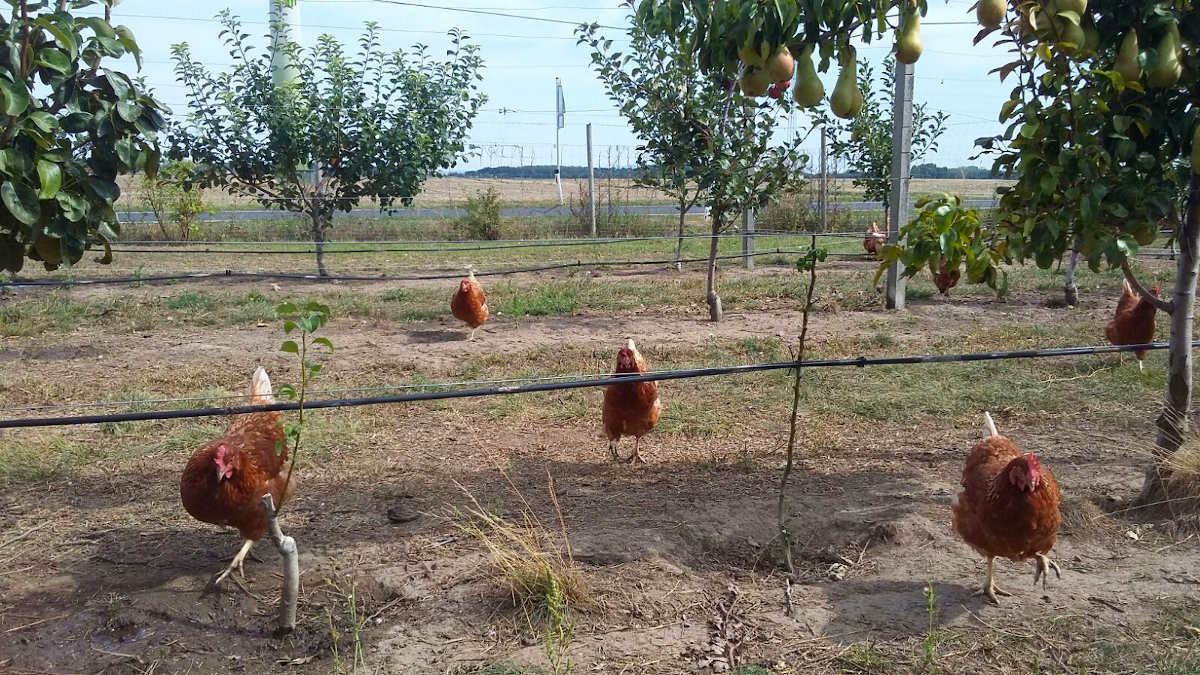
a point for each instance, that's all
(1070, 290)
(679, 244)
(1173, 422)
(714, 300)
(320, 223)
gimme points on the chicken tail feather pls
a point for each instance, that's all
(991, 426)
(260, 388)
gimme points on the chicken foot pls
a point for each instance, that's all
(635, 458)
(989, 586)
(1044, 565)
(471, 336)
(236, 563)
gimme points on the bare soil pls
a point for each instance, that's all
(103, 570)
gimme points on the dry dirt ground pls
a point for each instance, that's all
(102, 569)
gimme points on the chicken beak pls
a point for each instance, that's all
(220, 474)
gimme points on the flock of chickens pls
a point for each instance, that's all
(1008, 506)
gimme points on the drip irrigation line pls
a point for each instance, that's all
(453, 249)
(659, 376)
(231, 274)
(564, 241)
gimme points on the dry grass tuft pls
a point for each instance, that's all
(534, 563)
(1083, 519)
(1183, 485)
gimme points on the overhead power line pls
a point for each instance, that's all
(659, 376)
(468, 10)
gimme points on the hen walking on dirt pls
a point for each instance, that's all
(630, 409)
(224, 481)
(1008, 507)
(1133, 322)
(469, 304)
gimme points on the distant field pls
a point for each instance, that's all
(453, 191)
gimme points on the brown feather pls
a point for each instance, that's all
(470, 306)
(1132, 322)
(631, 409)
(995, 517)
(250, 442)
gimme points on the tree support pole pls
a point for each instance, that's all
(901, 156)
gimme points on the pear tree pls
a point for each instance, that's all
(1102, 133)
(71, 124)
(705, 137)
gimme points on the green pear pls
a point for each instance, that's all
(846, 99)
(1127, 58)
(990, 13)
(1077, 6)
(753, 53)
(808, 91)
(1167, 70)
(755, 82)
(908, 42)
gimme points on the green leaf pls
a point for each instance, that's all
(285, 308)
(54, 59)
(16, 97)
(323, 341)
(22, 202)
(290, 347)
(287, 391)
(129, 111)
(44, 120)
(50, 177)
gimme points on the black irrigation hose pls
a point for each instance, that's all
(455, 245)
(860, 362)
(450, 249)
(200, 276)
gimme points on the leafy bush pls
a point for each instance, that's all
(174, 199)
(483, 216)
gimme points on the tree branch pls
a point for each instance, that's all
(1159, 303)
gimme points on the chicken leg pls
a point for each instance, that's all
(471, 337)
(236, 563)
(989, 587)
(636, 457)
(612, 450)
(1044, 565)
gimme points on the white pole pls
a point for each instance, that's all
(591, 181)
(559, 122)
(285, 28)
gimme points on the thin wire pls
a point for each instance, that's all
(201, 276)
(658, 376)
(468, 10)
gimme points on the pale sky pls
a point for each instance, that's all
(522, 58)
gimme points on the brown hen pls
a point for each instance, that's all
(1008, 507)
(226, 478)
(945, 279)
(469, 304)
(875, 240)
(630, 409)
(1133, 322)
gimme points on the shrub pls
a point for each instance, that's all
(482, 220)
(174, 199)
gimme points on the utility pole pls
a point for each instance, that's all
(902, 113)
(591, 182)
(285, 28)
